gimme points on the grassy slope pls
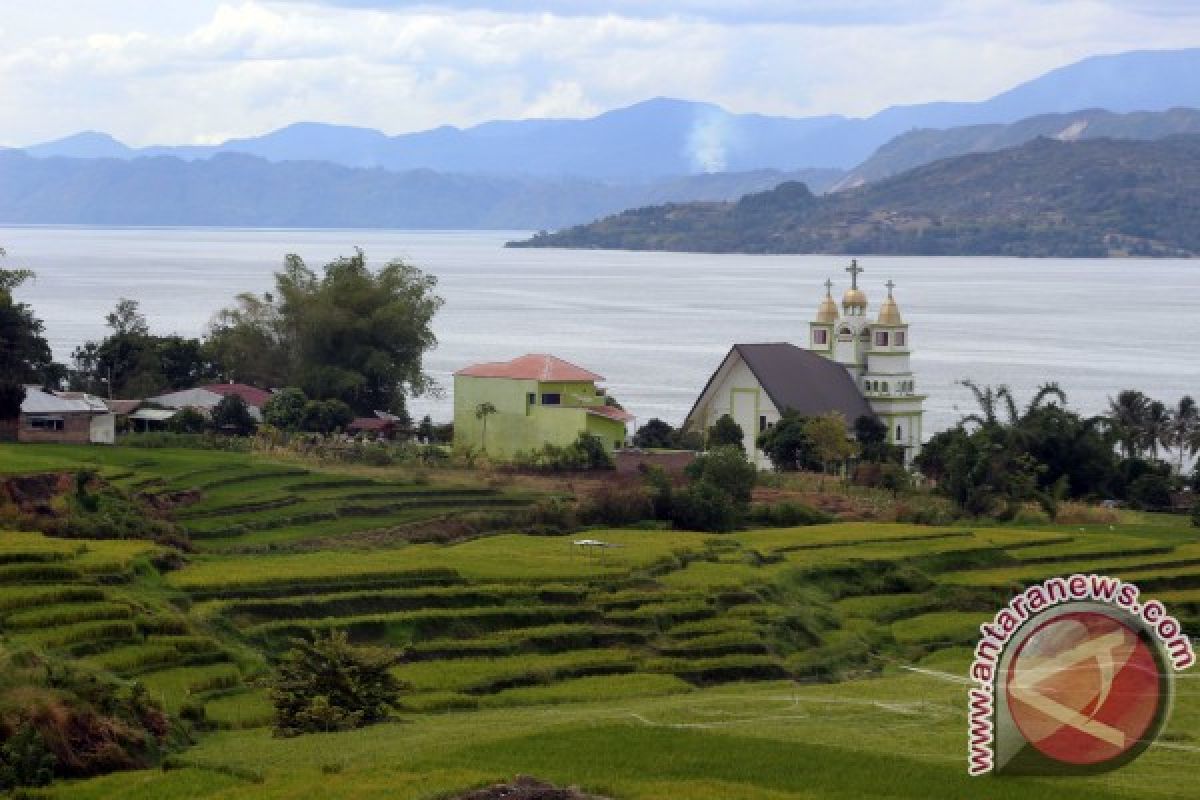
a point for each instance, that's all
(584, 668)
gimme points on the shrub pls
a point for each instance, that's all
(612, 505)
(25, 760)
(1149, 492)
(285, 410)
(786, 515)
(232, 415)
(726, 433)
(189, 420)
(658, 484)
(654, 434)
(727, 469)
(331, 685)
(585, 453)
(703, 507)
(325, 416)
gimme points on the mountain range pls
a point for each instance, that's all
(664, 136)
(1089, 198)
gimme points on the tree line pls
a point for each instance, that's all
(348, 336)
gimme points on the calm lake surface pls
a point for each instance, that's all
(657, 324)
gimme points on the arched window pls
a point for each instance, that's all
(845, 334)
(899, 434)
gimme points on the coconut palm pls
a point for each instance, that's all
(1183, 431)
(1049, 391)
(989, 400)
(482, 412)
(1156, 430)
(1127, 420)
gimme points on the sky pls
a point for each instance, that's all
(202, 71)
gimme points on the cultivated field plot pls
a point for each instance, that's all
(664, 664)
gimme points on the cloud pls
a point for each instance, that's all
(152, 72)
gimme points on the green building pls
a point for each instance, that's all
(537, 400)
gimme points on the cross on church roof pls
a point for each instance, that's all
(891, 284)
(828, 286)
(854, 269)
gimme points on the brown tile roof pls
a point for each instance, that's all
(251, 394)
(612, 412)
(533, 367)
(370, 424)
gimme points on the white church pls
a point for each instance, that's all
(853, 365)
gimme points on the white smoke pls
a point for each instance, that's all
(708, 141)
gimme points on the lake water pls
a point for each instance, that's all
(657, 324)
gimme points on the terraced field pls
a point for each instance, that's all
(524, 652)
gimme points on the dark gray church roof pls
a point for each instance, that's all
(800, 380)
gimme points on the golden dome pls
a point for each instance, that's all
(854, 298)
(827, 312)
(889, 312)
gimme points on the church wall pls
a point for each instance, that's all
(737, 392)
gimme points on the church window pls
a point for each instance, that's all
(885, 386)
(845, 334)
(881, 338)
(900, 339)
(899, 434)
(551, 399)
(864, 335)
(820, 336)
(762, 423)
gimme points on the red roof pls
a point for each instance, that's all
(251, 394)
(370, 424)
(534, 367)
(612, 412)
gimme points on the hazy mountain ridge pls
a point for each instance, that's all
(239, 190)
(665, 137)
(925, 146)
(1099, 197)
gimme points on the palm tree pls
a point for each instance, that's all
(482, 412)
(1047, 391)
(1183, 432)
(1156, 430)
(1127, 420)
(988, 399)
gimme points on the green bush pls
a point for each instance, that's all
(727, 469)
(25, 760)
(188, 421)
(331, 685)
(611, 505)
(585, 453)
(704, 507)
(726, 433)
(1150, 492)
(787, 514)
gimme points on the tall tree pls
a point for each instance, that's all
(25, 355)
(1127, 420)
(1183, 431)
(1156, 430)
(350, 334)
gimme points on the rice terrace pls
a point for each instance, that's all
(825, 660)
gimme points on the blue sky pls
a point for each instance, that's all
(201, 71)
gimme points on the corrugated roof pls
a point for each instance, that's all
(154, 414)
(253, 395)
(532, 367)
(94, 403)
(200, 397)
(38, 402)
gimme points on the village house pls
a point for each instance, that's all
(64, 418)
(205, 398)
(530, 402)
(853, 366)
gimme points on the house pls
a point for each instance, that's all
(381, 426)
(65, 418)
(205, 398)
(537, 400)
(853, 366)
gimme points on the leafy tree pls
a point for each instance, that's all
(325, 416)
(1150, 492)
(655, 434)
(592, 452)
(12, 395)
(425, 430)
(1156, 428)
(726, 432)
(787, 444)
(1127, 421)
(285, 410)
(871, 434)
(726, 469)
(232, 415)
(351, 333)
(482, 412)
(24, 352)
(331, 685)
(830, 445)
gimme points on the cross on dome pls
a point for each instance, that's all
(891, 284)
(828, 287)
(854, 269)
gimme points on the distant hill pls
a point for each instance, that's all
(664, 137)
(926, 146)
(1098, 197)
(238, 190)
